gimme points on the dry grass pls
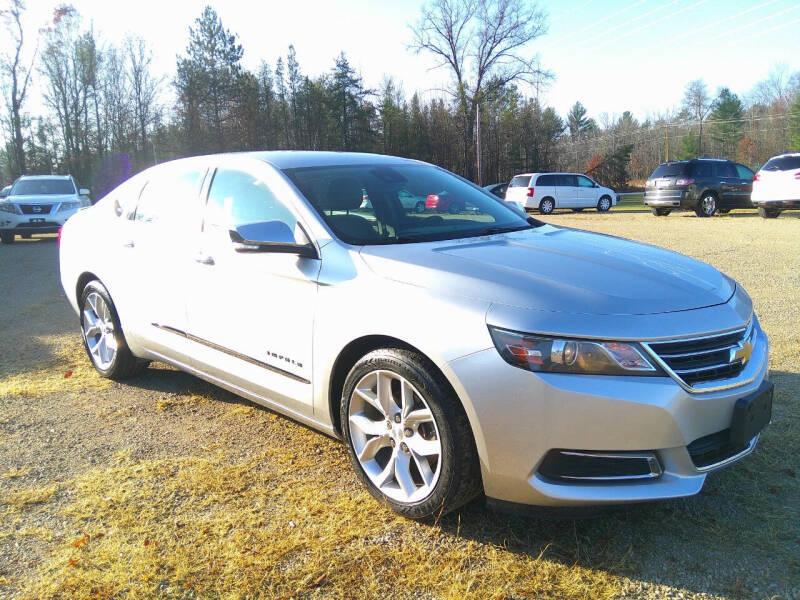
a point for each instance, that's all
(232, 501)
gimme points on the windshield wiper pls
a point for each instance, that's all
(494, 230)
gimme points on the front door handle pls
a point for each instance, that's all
(203, 259)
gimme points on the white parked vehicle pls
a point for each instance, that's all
(547, 191)
(776, 187)
(39, 204)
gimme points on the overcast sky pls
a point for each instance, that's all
(612, 55)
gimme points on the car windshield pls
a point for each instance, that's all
(677, 169)
(444, 206)
(783, 163)
(42, 187)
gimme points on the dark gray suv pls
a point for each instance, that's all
(704, 185)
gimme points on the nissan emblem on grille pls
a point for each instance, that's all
(37, 209)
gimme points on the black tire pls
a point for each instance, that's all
(7, 237)
(455, 208)
(577, 210)
(459, 476)
(604, 204)
(707, 206)
(419, 207)
(124, 364)
(660, 212)
(768, 213)
(547, 206)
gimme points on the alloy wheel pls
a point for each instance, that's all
(394, 436)
(546, 207)
(708, 205)
(98, 330)
(605, 204)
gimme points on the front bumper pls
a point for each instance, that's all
(519, 416)
(30, 224)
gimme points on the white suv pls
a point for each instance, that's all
(39, 204)
(547, 191)
(776, 187)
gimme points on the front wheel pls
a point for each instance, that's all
(604, 204)
(707, 206)
(546, 206)
(768, 213)
(419, 207)
(102, 335)
(660, 212)
(7, 237)
(407, 435)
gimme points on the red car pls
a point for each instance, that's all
(444, 202)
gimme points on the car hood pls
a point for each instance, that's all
(556, 269)
(42, 199)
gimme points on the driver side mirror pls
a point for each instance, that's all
(269, 236)
(5, 191)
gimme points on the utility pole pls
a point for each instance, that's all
(666, 149)
(478, 133)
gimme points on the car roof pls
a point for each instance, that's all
(298, 159)
(45, 177)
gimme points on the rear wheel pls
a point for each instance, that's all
(407, 435)
(7, 237)
(455, 208)
(707, 206)
(768, 213)
(419, 207)
(546, 206)
(102, 335)
(604, 204)
(660, 212)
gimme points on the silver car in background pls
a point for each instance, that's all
(455, 354)
(39, 204)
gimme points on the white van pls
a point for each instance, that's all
(547, 191)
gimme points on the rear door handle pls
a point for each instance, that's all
(203, 259)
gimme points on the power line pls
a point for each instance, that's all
(596, 23)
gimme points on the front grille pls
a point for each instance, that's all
(35, 209)
(714, 449)
(704, 359)
(42, 225)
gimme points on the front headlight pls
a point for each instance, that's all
(68, 206)
(564, 355)
(9, 208)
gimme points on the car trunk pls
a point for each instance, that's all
(666, 176)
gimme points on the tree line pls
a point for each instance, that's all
(104, 117)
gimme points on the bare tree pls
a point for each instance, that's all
(144, 86)
(698, 103)
(485, 44)
(18, 76)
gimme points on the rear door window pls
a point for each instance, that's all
(566, 181)
(548, 180)
(171, 199)
(520, 181)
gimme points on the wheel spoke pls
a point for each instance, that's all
(366, 425)
(385, 394)
(424, 468)
(371, 448)
(407, 398)
(424, 447)
(419, 416)
(402, 473)
(92, 330)
(111, 343)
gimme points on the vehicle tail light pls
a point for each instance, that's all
(757, 177)
(797, 175)
(683, 182)
(59, 237)
(432, 201)
(530, 192)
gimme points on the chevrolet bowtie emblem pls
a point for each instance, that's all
(743, 351)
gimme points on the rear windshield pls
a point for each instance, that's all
(46, 187)
(520, 181)
(783, 163)
(676, 169)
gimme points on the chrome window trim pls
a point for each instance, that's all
(650, 457)
(749, 331)
(751, 445)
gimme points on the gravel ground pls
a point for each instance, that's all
(740, 538)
